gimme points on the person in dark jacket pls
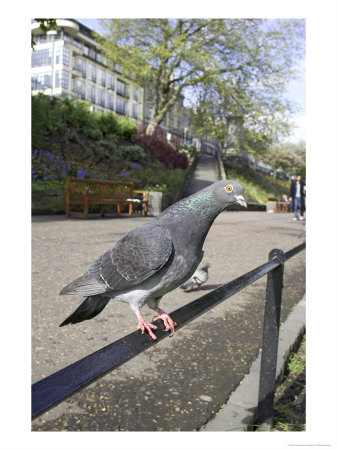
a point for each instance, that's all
(297, 195)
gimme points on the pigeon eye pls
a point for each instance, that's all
(229, 188)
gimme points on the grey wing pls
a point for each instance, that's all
(137, 256)
(200, 276)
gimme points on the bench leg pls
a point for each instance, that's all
(118, 209)
(85, 209)
(146, 208)
(102, 210)
(130, 209)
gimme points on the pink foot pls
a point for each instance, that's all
(142, 325)
(168, 322)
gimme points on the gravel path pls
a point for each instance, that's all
(180, 383)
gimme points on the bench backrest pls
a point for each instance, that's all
(98, 189)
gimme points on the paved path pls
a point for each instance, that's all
(205, 174)
(180, 383)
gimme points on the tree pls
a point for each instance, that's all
(45, 25)
(176, 56)
(288, 157)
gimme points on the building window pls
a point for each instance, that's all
(101, 97)
(61, 79)
(77, 43)
(57, 37)
(110, 100)
(134, 110)
(62, 55)
(92, 53)
(148, 112)
(41, 57)
(41, 80)
(101, 77)
(135, 94)
(86, 50)
(41, 39)
(92, 72)
(121, 88)
(110, 81)
(79, 64)
(91, 93)
(66, 37)
(78, 87)
(120, 106)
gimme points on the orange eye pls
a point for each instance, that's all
(229, 188)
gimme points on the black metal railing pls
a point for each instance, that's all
(59, 386)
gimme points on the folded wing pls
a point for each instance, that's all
(136, 257)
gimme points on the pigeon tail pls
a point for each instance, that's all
(85, 285)
(89, 308)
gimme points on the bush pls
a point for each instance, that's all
(126, 128)
(190, 150)
(94, 134)
(109, 147)
(51, 115)
(107, 123)
(158, 148)
(133, 153)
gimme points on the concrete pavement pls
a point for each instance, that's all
(181, 383)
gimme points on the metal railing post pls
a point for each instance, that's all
(271, 326)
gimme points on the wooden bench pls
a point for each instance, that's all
(90, 192)
(277, 206)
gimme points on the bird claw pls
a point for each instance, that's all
(168, 322)
(142, 325)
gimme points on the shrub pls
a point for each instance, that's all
(107, 123)
(133, 153)
(94, 134)
(190, 150)
(109, 147)
(126, 128)
(51, 115)
(75, 114)
(158, 148)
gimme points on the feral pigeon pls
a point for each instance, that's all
(153, 258)
(199, 277)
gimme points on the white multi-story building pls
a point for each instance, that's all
(68, 62)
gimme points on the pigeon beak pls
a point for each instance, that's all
(240, 199)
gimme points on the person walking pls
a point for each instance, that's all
(297, 194)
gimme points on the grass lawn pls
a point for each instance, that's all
(257, 188)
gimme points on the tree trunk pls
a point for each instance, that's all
(151, 128)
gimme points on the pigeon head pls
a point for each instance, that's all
(228, 192)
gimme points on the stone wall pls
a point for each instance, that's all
(49, 201)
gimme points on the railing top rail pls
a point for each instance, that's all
(55, 388)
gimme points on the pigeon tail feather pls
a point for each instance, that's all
(85, 285)
(89, 308)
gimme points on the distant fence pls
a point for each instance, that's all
(61, 385)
